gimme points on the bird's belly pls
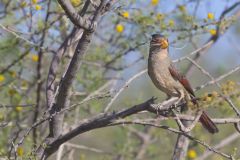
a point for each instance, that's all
(162, 82)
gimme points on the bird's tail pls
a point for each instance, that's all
(208, 123)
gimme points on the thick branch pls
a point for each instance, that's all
(98, 122)
(105, 120)
(63, 96)
(74, 16)
(181, 146)
(62, 99)
(220, 145)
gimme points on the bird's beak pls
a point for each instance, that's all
(161, 42)
(164, 43)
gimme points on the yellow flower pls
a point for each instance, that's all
(213, 32)
(13, 74)
(125, 14)
(34, 1)
(210, 16)
(160, 16)
(190, 104)
(171, 23)
(163, 26)
(2, 78)
(34, 58)
(214, 94)
(23, 4)
(119, 28)
(189, 18)
(24, 85)
(208, 99)
(38, 7)
(76, 3)
(20, 151)
(231, 88)
(19, 108)
(154, 2)
(12, 91)
(182, 8)
(231, 83)
(192, 154)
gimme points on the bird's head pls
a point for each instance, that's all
(160, 41)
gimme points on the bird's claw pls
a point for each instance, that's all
(156, 107)
(175, 106)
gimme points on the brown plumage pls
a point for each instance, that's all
(166, 77)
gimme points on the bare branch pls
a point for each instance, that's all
(124, 87)
(175, 131)
(223, 143)
(74, 16)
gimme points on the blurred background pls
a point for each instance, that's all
(31, 32)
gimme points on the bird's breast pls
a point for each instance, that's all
(158, 71)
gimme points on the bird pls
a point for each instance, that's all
(169, 80)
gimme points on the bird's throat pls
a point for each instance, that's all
(163, 54)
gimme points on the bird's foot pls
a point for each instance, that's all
(176, 104)
(157, 107)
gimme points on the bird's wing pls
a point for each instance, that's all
(181, 78)
(204, 119)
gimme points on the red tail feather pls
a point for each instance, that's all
(208, 123)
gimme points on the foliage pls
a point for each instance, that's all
(31, 32)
